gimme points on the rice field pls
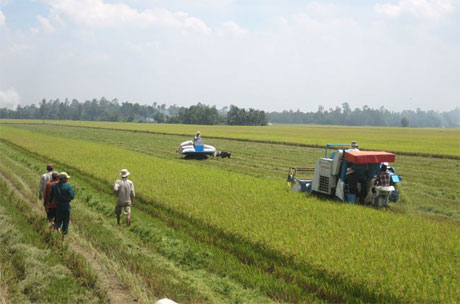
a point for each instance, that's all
(434, 197)
(313, 249)
(34, 266)
(416, 141)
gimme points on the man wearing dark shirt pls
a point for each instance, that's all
(62, 193)
(352, 179)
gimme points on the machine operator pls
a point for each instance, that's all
(353, 178)
(197, 137)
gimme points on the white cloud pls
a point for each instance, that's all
(317, 19)
(211, 2)
(9, 99)
(314, 54)
(323, 18)
(142, 48)
(311, 24)
(322, 10)
(96, 13)
(45, 23)
(429, 9)
(231, 28)
(2, 19)
(196, 25)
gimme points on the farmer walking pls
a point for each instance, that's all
(44, 179)
(124, 191)
(62, 193)
(50, 205)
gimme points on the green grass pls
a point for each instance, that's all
(36, 272)
(420, 141)
(430, 187)
(354, 251)
(167, 262)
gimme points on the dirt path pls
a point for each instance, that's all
(3, 292)
(117, 293)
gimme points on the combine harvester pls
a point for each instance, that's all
(330, 175)
(196, 149)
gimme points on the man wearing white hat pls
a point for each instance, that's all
(124, 190)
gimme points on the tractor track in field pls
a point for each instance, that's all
(117, 293)
(428, 155)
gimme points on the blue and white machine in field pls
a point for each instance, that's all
(196, 149)
(338, 173)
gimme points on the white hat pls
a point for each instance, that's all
(64, 175)
(124, 173)
(197, 132)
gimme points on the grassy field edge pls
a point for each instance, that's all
(46, 238)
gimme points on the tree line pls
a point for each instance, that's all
(367, 116)
(112, 110)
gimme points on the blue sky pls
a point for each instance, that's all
(272, 55)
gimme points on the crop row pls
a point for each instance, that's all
(34, 266)
(436, 196)
(419, 141)
(389, 255)
(150, 257)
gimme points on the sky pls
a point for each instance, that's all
(269, 55)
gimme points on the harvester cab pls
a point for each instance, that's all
(332, 175)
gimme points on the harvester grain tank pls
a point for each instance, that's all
(330, 175)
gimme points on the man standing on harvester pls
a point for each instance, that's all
(197, 137)
(124, 190)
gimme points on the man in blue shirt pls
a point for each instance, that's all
(62, 193)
